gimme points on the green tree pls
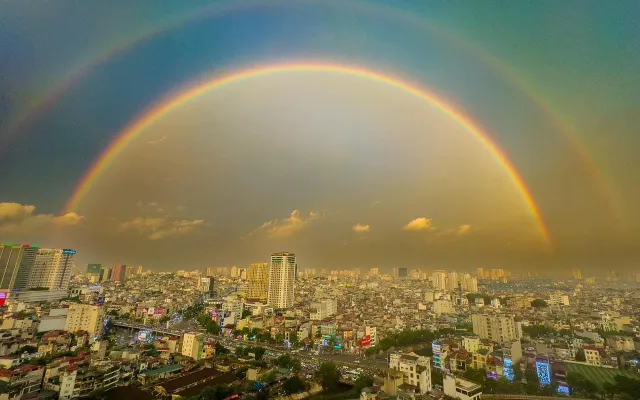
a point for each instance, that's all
(259, 352)
(539, 303)
(220, 349)
(363, 381)
(517, 372)
(279, 337)
(329, 375)
(580, 355)
(288, 362)
(436, 376)
(26, 349)
(294, 385)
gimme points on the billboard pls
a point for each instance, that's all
(3, 298)
(366, 341)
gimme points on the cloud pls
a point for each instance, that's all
(359, 228)
(418, 224)
(16, 218)
(288, 227)
(463, 230)
(156, 141)
(153, 206)
(162, 227)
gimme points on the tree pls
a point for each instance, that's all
(218, 392)
(26, 349)
(259, 352)
(539, 303)
(294, 385)
(436, 376)
(288, 362)
(363, 381)
(220, 349)
(580, 356)
(279, 337)
(329, 375)
(517, 372)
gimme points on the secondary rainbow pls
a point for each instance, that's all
(164, 106)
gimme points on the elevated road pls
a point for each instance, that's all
(140, 327)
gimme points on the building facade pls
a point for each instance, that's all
(52, 269)
(497, 328)
(282, 276)
(258, 277)
(16, 264)
(192, 345)
(85, 317)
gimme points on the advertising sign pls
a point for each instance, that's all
(366, 341)
(3, 298)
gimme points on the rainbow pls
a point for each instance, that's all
(164, 106)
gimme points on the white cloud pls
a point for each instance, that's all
(153, 206)
(418, 224)
(162, 227)
(463, 230)
(156, 141)
(359, 228)
(17, 218)
(288, 227)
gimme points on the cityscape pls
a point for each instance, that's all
(319, 200)
(272, 329)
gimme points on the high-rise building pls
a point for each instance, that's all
(374, 271)
(258, 281)
(85, 317)
(16, 264)
(206, 286)
(128, 271)
(403, 272)
(469, 283)
(119, 273)
(105, 274)
(94, 268)
(497, 274)
(235, 273)
(439, 280)
(577, 273)
(497, 328)
(192, 345)
(139, 270)
(52, 269)
(209, 271)
(282, 276)
(452, 282)
(480, 273)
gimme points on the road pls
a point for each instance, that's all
(349, 360)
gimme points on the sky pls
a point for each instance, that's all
(341, 168)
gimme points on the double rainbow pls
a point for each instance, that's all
(163, 107)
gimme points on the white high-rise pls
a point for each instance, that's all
(439, 280)
(52, 269)
(282, 277)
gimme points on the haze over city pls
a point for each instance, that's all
(355, 134)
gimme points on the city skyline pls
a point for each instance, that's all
(398, 135)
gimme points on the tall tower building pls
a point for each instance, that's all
(105, 274)
(119, 273)
(139, 270)
(480, 273)
(258, 277)
(94, 268)
(16, 264)
(452, 281)
(577, 274)
(439, 280)
(52, 269)
(209, 272)
(282, 277)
